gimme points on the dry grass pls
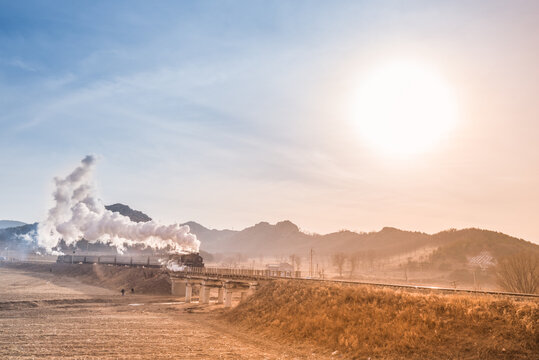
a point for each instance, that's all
(143, 280)
(363, 322)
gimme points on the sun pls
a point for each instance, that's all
(404, 108)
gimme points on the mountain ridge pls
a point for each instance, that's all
(134, 215)
(285, 238)
(4, 224)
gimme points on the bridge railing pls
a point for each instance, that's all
(262, 273)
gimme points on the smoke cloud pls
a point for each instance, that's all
(78, 214)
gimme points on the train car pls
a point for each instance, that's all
(77, 259)
(124, 260)
(91, 259)
(191, 260)
(142, 261)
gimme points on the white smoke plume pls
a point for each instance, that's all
(173, 265)
(78, 214)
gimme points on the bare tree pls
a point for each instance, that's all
(353, 261)
(338, 261)
(362, 259)
(296, 261)
(371, 257)
(519, 273)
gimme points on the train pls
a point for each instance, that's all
(189, 259)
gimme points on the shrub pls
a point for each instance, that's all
(519, 273)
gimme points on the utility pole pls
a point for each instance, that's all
(311, 265)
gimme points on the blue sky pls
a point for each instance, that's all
(233, 112)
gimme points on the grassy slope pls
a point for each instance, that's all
(143, 280)
(369, 322)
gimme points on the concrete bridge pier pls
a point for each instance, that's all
(220, 295)
(178, 287)
(253, 286)
(228, 294)
(188, 292)
(227, 285)
(205, 290)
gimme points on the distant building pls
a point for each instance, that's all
(280, 267)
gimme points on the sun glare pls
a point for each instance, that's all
(404, 108)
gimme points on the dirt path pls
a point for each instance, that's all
(45, 317)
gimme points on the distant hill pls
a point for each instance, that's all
(17, 230)
(213, 239)
(10, 236)
(458, 245)
(264, 239)
(134, 215)
(285, 238)
(10, 223)
(388, 241)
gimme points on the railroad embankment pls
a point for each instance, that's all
(363, 322)
(142, 280)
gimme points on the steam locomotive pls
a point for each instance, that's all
(190, 259)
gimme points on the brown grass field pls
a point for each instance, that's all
(45, 315)
(364, 322)
(63, 314)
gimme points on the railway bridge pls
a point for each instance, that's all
(226, 282)
(230, 281)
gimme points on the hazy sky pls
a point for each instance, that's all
(234, 112)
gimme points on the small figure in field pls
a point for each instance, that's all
(123, 292)
(132, 290)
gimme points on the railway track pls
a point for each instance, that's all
(296, 275)
(275, 275)
(424, 288)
